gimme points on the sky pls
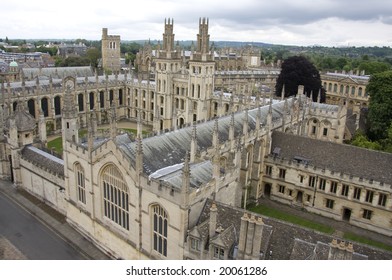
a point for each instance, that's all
(330, 23)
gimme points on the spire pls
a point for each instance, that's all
(258, 119)
(113, 123)
(139, 156)
(139, 132)
(231, 127)
(193, 144)
(215, 134)
(245, 122)
(283, 92)
(319, 96)
(186, 178)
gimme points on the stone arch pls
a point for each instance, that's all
(81, 102)
(115, 195)
(91, 97)
(44, 106)
(31, 107)
(57, 105)
(160, 229)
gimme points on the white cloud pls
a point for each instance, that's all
(300, 22)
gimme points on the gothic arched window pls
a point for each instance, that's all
(80, 183)
(160, 226)
(115, 196)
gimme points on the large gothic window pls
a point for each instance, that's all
(160, 225)
(80, 183)
(115, 196)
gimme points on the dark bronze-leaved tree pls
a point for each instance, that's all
(298, 70)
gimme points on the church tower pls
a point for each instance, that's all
(110, 51)
(201, 71)
(168, 62)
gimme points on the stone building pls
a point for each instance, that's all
(179, 192)
(344, 182)
(111, 51)
(346, 87)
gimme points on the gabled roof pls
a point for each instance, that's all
(348, 159)
(170, 147)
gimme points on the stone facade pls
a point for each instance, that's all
(110, 51)
(343, 182)
(346, 87)
(178, 193)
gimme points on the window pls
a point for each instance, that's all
(219, 253)
(325, 131)
(195, 244)
(301, 178)
(313, 129)
(334, 186)
(345, 189)
(268, 170)
(367, 214)
(290, 192)
(369, 196)
(115, 196)
(282, 173)
(329, 203)
(79, 172)
(357, 193)
(322, 184)
(312, 181)
(160, 222)
(382, 199)
(281, 188)
(308, 197)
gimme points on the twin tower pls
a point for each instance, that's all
(111, 52)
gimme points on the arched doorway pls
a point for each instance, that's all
(267, 190)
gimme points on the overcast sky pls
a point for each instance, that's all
(288, 22)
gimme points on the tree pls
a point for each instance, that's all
(298, 70)
(374, 67)
(93, 55)
(380, 105)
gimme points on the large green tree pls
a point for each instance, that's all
(380, 105)
(298, 70)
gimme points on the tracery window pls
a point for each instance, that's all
(115, 196)
(80, 183)
(160, 225)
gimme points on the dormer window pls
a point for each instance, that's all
(219, 253)
(195, 244)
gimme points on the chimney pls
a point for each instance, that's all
(213, 219)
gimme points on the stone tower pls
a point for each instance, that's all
(110, 51)
(168, 62)
(201, 71)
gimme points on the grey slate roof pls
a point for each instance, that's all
(43, 160)
(285, 240)
(23, 120)
(58, 72)
(169, 149)
(351, 160)
(229, 219)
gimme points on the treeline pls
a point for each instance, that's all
(371, 60)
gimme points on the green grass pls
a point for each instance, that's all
(363, 240)
(280, 215)
(57, 145)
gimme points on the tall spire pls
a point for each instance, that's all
(113, 122)
(193, 144)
